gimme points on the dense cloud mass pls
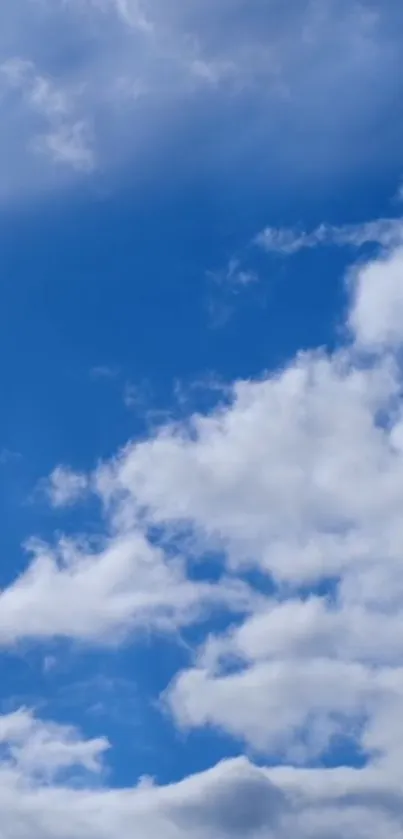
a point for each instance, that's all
(235, 798)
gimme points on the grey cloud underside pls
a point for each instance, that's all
(312, 78)
(234, 799)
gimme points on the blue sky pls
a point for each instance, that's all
(201, 440)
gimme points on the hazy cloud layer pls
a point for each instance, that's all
(85, 86)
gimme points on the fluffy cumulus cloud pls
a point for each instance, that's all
(117, 68)
(98, 593)
(44, 750)
(295, 484)
(377, 315)
(39, 761)
(64, 486)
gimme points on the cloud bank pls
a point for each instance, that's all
(294, 483)
(234, 798)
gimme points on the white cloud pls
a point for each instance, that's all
(66, 139)
(64, 486)
(40, 93)
(44, 750)
(296, 454)
(298, 476)
(377, 312)
(101, 594)
(235, 274)
(233, 799)
(286, 708)
(377, 315)
(385, 232)
(69, 144)
(132, 12)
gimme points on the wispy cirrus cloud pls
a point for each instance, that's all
(386, 232)
(60, 134)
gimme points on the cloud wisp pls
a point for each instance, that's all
(288, 241)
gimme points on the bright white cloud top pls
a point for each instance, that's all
(298, 476)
